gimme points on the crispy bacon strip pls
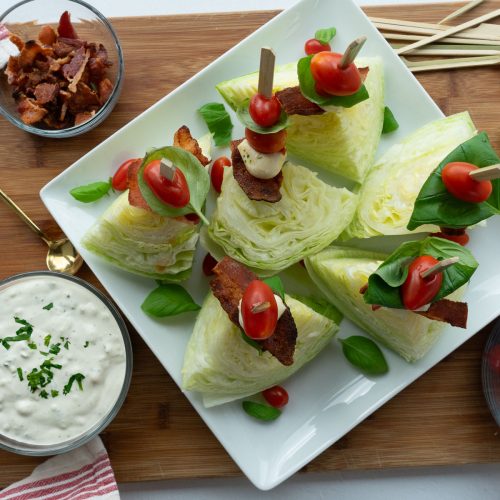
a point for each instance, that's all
(255, 189)
(183, 139)
(294, 103)
(448, 311)
(46, 92)
(30, 112)
(134, 193)
(231, 280)
(28, 54)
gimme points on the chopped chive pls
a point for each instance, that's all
(20, 374)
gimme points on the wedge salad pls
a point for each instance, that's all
(272, 214)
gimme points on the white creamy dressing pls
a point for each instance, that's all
(77, 319)
(260, 165)
(279, 303)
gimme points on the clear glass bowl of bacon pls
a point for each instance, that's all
(61, 67)
(491, 372)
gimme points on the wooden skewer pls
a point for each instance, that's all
(439, 64)
(167, 169)
(449, 32)
(451, 40)
(352, 51)
(266, 72)
(435, 50)
(260, 307)
(486, 173)
(461, 10)
(439, 267)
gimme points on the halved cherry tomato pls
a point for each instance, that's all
(456, 235)
(217, 172)
(330, 78)
(174, 192)
(264, 111)
(120, 179)
(313, 46)
(494, 358)
(194, 218)
(259, 325)
(276, 396)
(461, 185)
(208, 265)
(417, 291)
(266, 143)
(66, 28)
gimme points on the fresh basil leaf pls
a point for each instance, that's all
(308, 88)
(245, 118)
(322, 307)
(90, 192)
(384, 284)
(390, 122)
(196, 176)
(325, 35)
(435, 205)
(218, 122)
(276, 286)
(251, 342)
(168, 300)
(364, 354)
(260, 411)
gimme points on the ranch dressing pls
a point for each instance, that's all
(78, 339)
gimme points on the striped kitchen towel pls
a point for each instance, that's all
(81, 474)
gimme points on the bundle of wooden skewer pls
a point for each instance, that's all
(472, 43)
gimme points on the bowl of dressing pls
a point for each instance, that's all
(65, 363)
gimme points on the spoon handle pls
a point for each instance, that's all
(9, 202)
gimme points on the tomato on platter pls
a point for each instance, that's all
(66, 28)
(217, 172)
(174, 192)
(276, 396)
(331, 78)
(208, 265)
(264, 111)
(456, 235)
(266, 143)
(417, 291)
(120, 178)
(259, 324)
(461, 185)
(313, 46)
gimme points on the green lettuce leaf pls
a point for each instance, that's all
(435, 205)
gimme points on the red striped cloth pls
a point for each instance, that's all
(81, 474)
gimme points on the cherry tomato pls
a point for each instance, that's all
(276, 396)
(494, 358)
(174, 192)
(332, 79)
(264, 111)
(194, 218)
(266, 143)
(217, 172)
(461, 185)
(417, 291)
(313, 46)
(208, 265)
(66, 28)
(457, 235)
(120, 179)
(258, 325)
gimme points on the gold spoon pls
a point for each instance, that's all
(62, 256)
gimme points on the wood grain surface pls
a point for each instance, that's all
(440, 419)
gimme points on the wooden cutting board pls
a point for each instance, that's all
(440, 419)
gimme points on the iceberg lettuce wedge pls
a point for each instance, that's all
(143, 242)
(220, 365)
(343, 140)
(388, 194)
(272, 236)
(340, 272)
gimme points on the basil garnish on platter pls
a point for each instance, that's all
(168, 300)
(91, 192)
(308, 88)
(261, 411)
(436, 205)
(247, 121)
(384, 283)
(218, 122)
(325, 35)
(364, 354)
(390, 122)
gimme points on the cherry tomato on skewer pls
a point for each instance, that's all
(217, 172)
(194, 218)
(456, 235)
(266, 143)
(264, 111)
(461, 185)
(259, 325)
(417, 291)
(313, 46)
(332, 79)
(276, 396)
(120, 178)
(174, 192)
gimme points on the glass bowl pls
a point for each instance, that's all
(16, 446)
(491, 372)
(25, 20)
